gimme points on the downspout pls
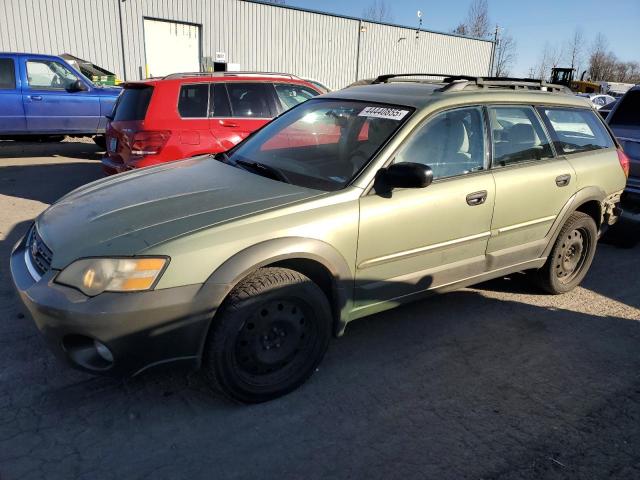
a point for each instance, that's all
(358, 49)
(124, 60)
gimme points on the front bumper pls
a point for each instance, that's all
(140, 329)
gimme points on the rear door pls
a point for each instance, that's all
(11, 109)
(251, 105)
(49, 103)
(532, 185)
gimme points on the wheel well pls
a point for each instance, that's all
(593, 209)
(319, 274)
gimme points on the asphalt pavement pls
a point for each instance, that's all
(498, 381)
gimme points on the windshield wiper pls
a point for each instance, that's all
(264, 170)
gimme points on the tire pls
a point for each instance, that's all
(571, 256)
(101, 141)
(270, 335)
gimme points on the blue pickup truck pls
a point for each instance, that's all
(43, 97)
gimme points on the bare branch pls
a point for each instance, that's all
(378, 11)
(505, 55)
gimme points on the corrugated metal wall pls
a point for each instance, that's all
(257, 36)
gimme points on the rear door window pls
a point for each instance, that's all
(194, 100)
(250, 100)
(219, 101)
(577, 130)
(132, 104)
(7, 74)
(518, 136)
(291, 95)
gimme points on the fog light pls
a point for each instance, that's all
(103, 351)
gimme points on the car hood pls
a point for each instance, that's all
(128, 213)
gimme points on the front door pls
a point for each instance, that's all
(50, 104)
(419, 239)
(532, 185)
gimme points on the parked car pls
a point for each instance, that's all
(184, 115)
(597, 99)
(604, 111)
(44, 97)
(245, 263)
(624, 120)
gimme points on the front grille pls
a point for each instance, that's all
(39, 253)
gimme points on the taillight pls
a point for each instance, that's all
(624, 162)
(149, 142)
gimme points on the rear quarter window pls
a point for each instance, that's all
(194, 100)
(577, 130)
(132, 104)
(7, 74)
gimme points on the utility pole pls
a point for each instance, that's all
(493, 53)
(419, 14)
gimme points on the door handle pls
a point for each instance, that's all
(36, 98)
(563, 180)
(477, 198)
(228, 124)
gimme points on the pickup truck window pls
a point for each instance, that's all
(7, 74)
(48, 74)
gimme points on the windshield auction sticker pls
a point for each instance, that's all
(383, 112)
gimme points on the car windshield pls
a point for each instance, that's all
(321, 144)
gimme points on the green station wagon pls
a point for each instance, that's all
(247, 262)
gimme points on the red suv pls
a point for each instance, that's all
(183, 115)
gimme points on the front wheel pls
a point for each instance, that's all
(571, 256)
(269, 337)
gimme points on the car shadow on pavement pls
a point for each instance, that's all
(459, 385)
(70, 148)
(46, 182)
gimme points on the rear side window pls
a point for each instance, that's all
(194, 100)
(518, 136)
(627, 111)
(7, 74)
(291, 95)
(577, 130)
(132, 104)
(249, 99)
(219, 101)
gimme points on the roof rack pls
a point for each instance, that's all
(464, 82)
(228, 74)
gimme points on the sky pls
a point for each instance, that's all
(530, 23)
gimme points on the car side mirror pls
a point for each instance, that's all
(402, 175)
(78, 86)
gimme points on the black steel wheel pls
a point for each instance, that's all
(271, 334)
(571, 256)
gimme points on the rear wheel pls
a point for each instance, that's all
(269, 337)
(571, 256)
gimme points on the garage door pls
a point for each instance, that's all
(171, 47)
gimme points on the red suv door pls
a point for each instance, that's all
(239, 108)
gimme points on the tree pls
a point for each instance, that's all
(550, 57)
(505, 55)
(378, 11)
(574, 49)
(602, 62)
(477, 23)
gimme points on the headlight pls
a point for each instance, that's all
(96, 275)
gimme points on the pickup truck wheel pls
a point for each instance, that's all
(571, 256)
(269, 337)
(100, 141)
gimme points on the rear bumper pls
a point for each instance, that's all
(632, 191)
(140, 330)
(111, 166)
